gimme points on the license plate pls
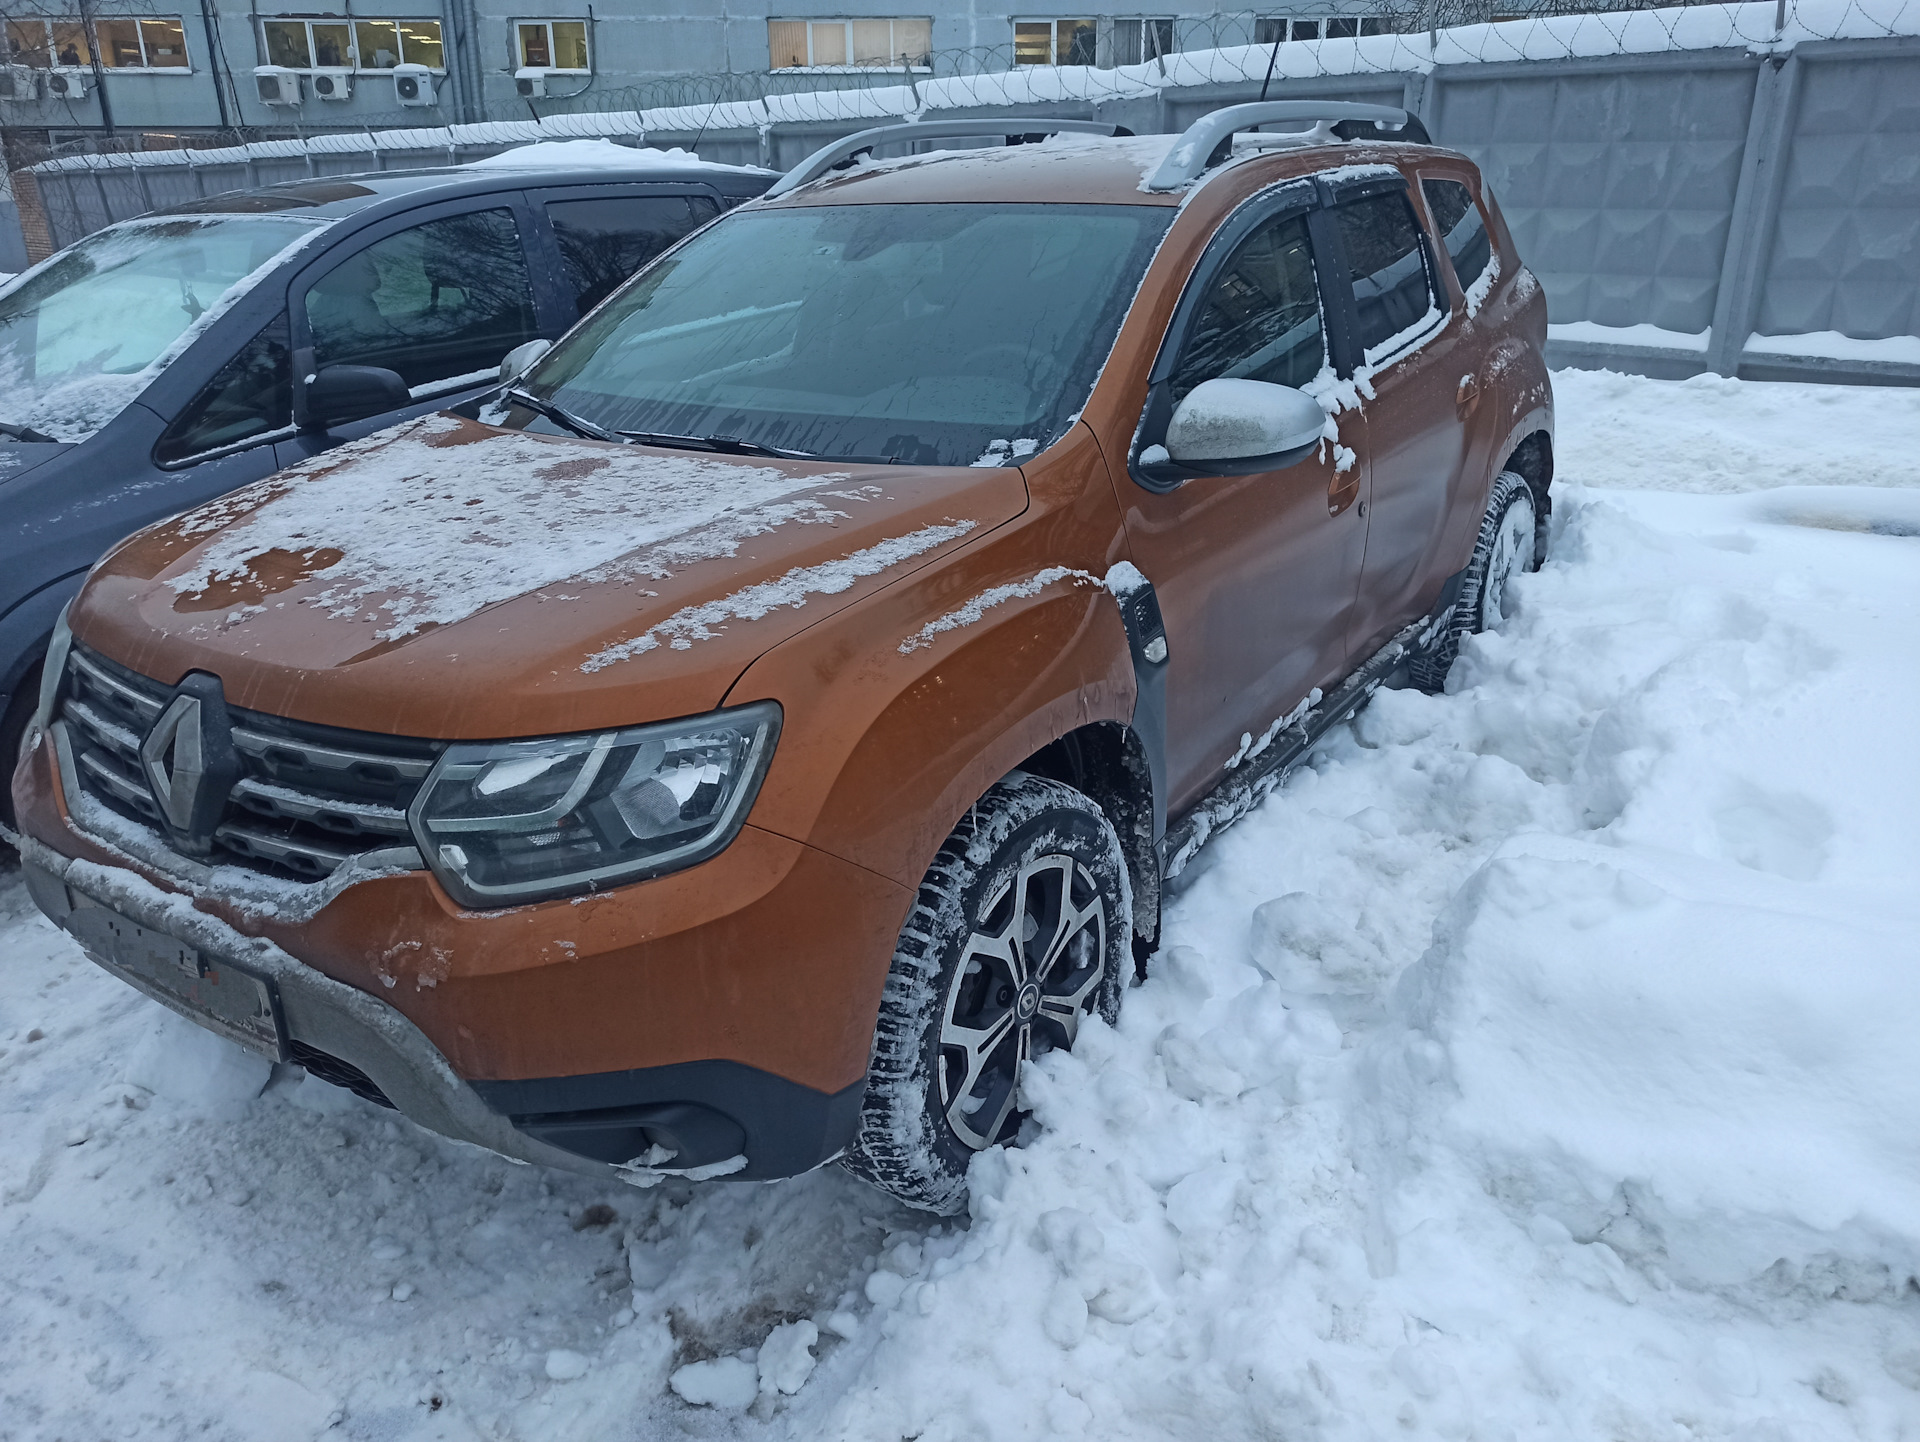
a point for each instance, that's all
(237, 1003)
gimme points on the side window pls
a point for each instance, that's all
(602, 242)
(251, 395)
(1462, 231)
(1261, 317)
(444, 299)
(1391, 288)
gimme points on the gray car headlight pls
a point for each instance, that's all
(506, 822)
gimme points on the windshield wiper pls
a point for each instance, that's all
(559, 416)
(28, 433)
(726, 445)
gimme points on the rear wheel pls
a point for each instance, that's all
(1507, 546)
(1021, 931)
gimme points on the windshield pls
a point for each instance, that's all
(82, 335)
(929, 334)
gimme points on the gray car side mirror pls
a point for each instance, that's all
(1231, 427)
(339, 394)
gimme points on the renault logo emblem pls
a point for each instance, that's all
(190, 764)
(174, 756)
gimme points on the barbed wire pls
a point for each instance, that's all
(1222, 48)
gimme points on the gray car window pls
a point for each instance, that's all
(1261, 318)
(603, 242)
(249, 396)
(448, 298)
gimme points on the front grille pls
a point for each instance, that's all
(309, 797)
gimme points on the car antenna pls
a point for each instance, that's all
(1272, 60)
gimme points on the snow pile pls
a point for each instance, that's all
(1629, 1143)
(1713, 433)
(1533, 1064)
(598, 154)
(1707, 1067)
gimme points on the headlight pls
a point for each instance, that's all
(504, 822)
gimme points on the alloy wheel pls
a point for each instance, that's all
(1027, 975)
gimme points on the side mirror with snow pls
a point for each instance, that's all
(518, 361)
(341, 394)
(1230, 427)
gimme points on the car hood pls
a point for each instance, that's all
(19, 457)
(451, 579)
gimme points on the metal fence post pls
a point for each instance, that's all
(1756, 209)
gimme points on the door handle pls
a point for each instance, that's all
(1341, 490)
(1467, 397)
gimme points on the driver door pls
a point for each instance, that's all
(1257, 574)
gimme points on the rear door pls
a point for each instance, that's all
(1255, 574)
(1410, 355)
(593, 238)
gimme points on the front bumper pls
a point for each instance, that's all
(715, 1021)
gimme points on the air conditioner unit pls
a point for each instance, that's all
(17, 82)
(69, 84)
(530, 82)
(333, 84)
(277, 84)
(413, 85)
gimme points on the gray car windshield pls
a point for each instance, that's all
(82, 336)
(926, 334)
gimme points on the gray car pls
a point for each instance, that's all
(170, 359)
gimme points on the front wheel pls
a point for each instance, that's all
(1507, 546)
(14, 721)
(1022, 930)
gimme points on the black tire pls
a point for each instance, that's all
(1509, 543)
(13, 733)
(932, 1103)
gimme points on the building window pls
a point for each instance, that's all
(353, 45)
(553, 45)
(1054, 42)
(879, 43)
(1318, 27)
(123, 43)
(1137, 41)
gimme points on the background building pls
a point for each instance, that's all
(166, 71)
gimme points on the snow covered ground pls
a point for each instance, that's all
(1537, 1063)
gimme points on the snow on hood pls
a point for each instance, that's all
(409, 533)
(447, 578)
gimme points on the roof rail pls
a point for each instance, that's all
(840, 152)
(1205, 142)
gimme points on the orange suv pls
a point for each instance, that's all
(763, 726)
